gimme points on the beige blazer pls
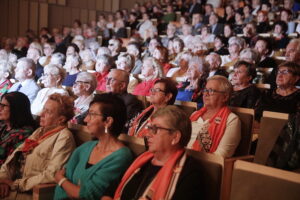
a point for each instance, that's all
(42, 163)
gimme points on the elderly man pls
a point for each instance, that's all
(115, 45)
(293, 53)
(117, 82)
(216, 28)
(24, 73)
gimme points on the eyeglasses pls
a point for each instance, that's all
(153, 129)
(81, 82)
(211, 91)
(3, 105)
(284, 72)
(155, 90)
(91, 114)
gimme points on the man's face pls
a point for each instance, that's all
(115, 82)
(21, 71)
(292, 52)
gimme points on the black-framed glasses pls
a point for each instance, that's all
(154, 90)
(153, 129)
(91, 114)
(2, 105)
(211, 91)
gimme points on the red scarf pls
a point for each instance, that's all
(160, 185)
(133, 129)
(30, 144)
(217, 126)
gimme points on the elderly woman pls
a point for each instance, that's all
(16, 122)
(88, 60)
(214, 62)
(52, 79)
(103, 65)
(155, 173)
(162, 93)
(285, 97)
(161, 55)
(236, 44)
(57, 59)
(42, 154)
(196, 79)
(215, 129)
(178, 46)
(48, 49)
(134, 50)
(125, 62)
(6, 71)
(115, 45)
(245, 94)
(206, 36)
(179, 73)
(83, 88)
(96, 164)
(72, 68)
(151, 71)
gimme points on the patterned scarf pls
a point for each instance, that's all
(217, 126)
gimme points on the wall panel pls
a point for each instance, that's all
(107, 5)
(13, 6)
(91, 4)
(3, 17)
(99, 4)
(75, 14)
(67, 21)
(115, 5)
(33, 16)
(43, 15)
(92, 15)
(84, 16)
(23, 16)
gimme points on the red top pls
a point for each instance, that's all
(101, 81)
(166, 68)
(143, 88)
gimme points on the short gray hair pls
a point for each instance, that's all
(250, 55)
(237, 40)
(88, 77)
(6, 66)
(103, 51)
(224, 84)
(129, 59)
(55, 70)
(106, 59)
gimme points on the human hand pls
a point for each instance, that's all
(4, 190)
(60, 174)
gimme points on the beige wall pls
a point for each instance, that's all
(16, 16)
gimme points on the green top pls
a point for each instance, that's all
(94, 180)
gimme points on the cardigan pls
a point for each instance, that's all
(94, 180)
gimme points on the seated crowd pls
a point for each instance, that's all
(96, 75)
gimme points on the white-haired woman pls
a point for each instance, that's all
(83, 88)
(235, 45)
(52, 79)
(72, 68)
(57, 59)
(215, 129)
(88, 61)
(197, 73)
(6, 71)
(180, 73)
(103, 65)
(125, 62)
(151, 70)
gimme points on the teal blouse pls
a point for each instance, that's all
(94, 180)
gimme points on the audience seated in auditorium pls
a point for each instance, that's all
(16, 122)
(215, 129)
(24, 73)
(52, 79)
(154, 171)
(162, 94)
(245, 94)
(94, 165)
(42, 154)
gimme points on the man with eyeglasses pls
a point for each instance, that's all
(117, 82)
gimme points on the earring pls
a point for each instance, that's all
(106, 130)
(173, 142)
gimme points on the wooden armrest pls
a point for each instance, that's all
(43, 191)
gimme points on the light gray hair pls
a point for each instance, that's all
(88, 77)
(55, 70)
(224, 84)
(238, 41)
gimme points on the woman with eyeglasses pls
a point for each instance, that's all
(215, 129)
(16, 122)
(163, 93)
(284, 98)
(43, 153)
(52, 80)
(164, 171)
(94, 165)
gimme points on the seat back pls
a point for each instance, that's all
(252, 181)
(137, 145)
(271, 125)
(212, 166)
(187, 106)
(80, 133)
(246, 116)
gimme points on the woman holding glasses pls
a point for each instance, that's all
(215, 129)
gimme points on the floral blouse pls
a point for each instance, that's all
(4, 87)
(10, 140)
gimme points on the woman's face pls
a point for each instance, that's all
(227, 31)
(218, 43)
(238, 17)
(158, 95)
(233, 49)
(147, 68)
(216, 98)
(156, 54)
(48, 50)
(183, 63)
(95, 120)
(177, 48)
(284, 16)
(161, 141)
(204, 31)
(240, 76)
(278, 29)
(50, 115)
(50, 80)
(80, 87)
(122, 64)
(70, 51)
(246, 10)
(285, 77)
(229, 10)
(4, 110)
(101, 67)
(193, 72)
